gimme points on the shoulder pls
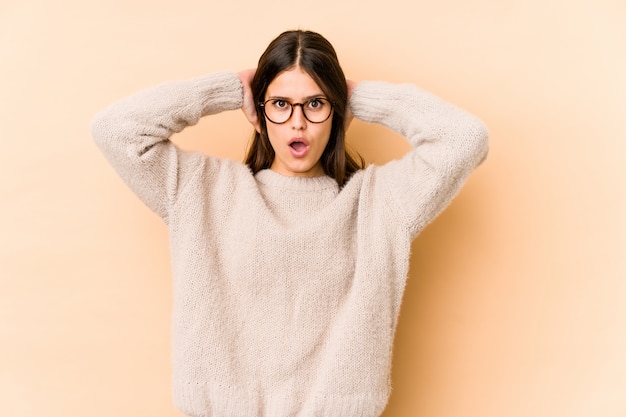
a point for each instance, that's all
(208, 171)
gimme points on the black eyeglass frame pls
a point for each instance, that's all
(332, 108)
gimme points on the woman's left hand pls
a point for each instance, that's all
(349, 116)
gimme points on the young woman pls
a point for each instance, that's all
(289, 270)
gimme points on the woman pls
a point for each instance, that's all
(289, 270)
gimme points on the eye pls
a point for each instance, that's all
(280, 104)
(316, 104)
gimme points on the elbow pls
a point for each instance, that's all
(107, 130)
(100, 129)
(477, 137)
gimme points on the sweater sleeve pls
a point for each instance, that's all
(448, 142)
(134, 133)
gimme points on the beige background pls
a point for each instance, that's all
(515, 304)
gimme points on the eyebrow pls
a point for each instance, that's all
(289, 99)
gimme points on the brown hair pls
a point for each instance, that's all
(317, 57)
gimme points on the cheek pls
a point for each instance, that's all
(273, 133)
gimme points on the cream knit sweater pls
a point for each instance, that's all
(286, 289)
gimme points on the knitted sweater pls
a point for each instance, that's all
(287, 289)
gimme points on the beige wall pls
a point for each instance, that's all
(515, 304)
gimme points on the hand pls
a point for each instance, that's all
(349, 116)
(249, 107)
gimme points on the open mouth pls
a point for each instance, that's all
(298, 146)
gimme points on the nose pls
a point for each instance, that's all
(298, 121)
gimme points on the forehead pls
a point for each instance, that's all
(295, 84)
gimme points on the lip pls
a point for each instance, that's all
(299, 152)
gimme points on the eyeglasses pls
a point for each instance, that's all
(315, 110)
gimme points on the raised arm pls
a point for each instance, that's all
(448, 142)
(134, 133)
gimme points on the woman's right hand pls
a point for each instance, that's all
(249, 107)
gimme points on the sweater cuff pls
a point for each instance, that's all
(219, 92)
(372, 101)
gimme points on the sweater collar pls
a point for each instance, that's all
(273, 179)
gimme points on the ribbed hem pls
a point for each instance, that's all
(206, 400)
